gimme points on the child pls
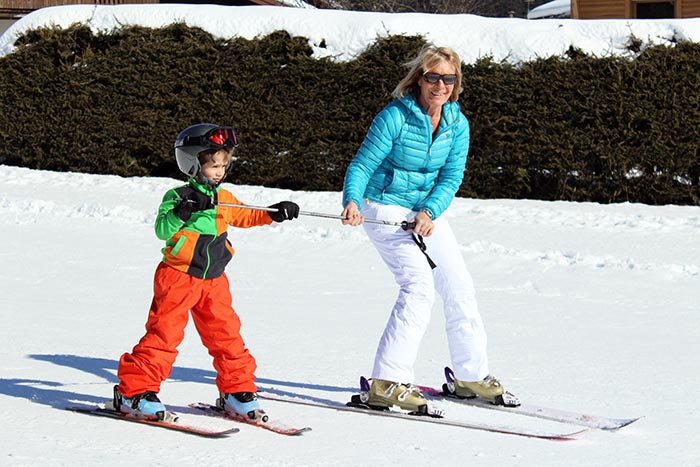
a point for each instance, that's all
(191, 278)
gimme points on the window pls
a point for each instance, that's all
(652, 10)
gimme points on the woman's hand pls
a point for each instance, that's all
(424, 224)
(351, 215)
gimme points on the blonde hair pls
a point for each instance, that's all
(428, 58)
(209, 154)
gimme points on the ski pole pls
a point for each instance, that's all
(405, 225)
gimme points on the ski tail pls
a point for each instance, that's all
(175, 426)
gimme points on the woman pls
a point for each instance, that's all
(409, 167)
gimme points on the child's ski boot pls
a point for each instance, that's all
(144, 405)
(242, 405)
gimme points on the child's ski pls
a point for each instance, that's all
(98, 411)
(274, 426)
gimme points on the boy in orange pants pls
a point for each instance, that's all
(191, 278)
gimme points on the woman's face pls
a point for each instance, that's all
(436, 94)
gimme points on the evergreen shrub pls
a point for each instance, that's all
(582, 128)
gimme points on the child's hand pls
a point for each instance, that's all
(192, 201)
(286, 210)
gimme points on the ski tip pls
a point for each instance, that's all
(620, 423)
(295, 431)
(573, 436)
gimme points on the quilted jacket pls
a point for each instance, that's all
(401, 163)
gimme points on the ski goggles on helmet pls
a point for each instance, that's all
(216, 138)
(433, 78)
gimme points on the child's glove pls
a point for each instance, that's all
(192, 201)
(286, 210)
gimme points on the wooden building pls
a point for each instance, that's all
(636, 9)
(14, 9)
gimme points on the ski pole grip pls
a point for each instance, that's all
(408, 225)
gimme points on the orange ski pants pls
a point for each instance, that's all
(175, 295)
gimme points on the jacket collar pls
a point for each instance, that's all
(206, 189)
(450, 110)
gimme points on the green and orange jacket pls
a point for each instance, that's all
(200, 246)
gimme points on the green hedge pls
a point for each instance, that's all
(574, 128)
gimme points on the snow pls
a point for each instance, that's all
(588, 307)
(345, 34)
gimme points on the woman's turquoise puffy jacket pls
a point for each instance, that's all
(400, 163)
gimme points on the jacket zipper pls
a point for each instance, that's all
(206, 270)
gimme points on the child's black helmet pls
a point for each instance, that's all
(198, 138)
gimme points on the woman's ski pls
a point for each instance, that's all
(546, 413)
(558, 436)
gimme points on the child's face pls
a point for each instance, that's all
(215, 166)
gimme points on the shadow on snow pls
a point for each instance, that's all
(57, 395)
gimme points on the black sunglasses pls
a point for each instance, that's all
(433, 78)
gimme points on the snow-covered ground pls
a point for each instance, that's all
(588, 307)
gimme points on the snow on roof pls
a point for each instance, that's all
(554, 9)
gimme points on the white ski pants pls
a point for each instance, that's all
(398, 346)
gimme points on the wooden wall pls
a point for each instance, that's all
(14, 9)
(36, 4)
(688, 9)
(598, 9)
(616, 9)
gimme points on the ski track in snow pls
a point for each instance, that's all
(570, 258)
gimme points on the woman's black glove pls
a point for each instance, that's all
(286, 210)
(192, 201)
